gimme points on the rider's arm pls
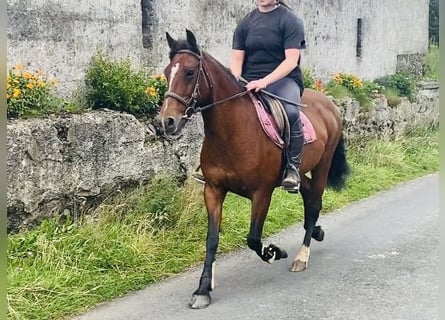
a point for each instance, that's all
(285, 67)
(236, 62)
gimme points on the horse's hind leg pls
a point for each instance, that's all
(260, 207)
(214, 198)
(312, 192)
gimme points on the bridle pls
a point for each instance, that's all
(191, 103)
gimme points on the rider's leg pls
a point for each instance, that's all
(292, 180)
(289, 89)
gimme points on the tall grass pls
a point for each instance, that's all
(62, 269)
(432, 62)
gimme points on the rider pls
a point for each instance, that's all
(266, 52)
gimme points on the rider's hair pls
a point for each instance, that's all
(283, 3)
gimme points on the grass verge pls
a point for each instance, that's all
(58, 270)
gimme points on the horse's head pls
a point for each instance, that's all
(188, 84)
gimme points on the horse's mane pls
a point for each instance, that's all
(184, 45)
(226, 70)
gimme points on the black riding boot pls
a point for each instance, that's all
(291, 182)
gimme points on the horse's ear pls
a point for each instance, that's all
(170, 40)
(192, 40)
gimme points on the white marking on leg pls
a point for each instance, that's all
(213, 283)
(303, 254)
(271, 260)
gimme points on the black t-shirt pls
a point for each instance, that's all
(264, 36)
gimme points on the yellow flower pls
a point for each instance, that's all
(16, 93)
(54, 82)
(27, 75)
(338, 77)
(8, 85)
(18, 67)
(41, 83)
(160, 76)
(30, 86)
(151, 91)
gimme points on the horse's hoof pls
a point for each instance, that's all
(200, 301)
(319, 234)
(298, 266)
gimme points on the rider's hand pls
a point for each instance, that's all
(256, 85)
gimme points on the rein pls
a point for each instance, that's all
(190, 104)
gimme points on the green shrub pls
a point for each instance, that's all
(312, 83)
(336, 90)
(432, 62)
(372, 88)
(30, 93)
(308, 79)
(349, 81)
(347, 85)
(114, 85)
(403, 83)
(392, 97)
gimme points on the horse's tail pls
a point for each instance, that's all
(339, 167)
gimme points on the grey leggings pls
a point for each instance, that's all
(288, 89)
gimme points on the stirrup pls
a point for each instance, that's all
(295, 189)
(292, 188)
(198, 177)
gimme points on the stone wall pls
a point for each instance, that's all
(60, 37)
(69, 163)
(386, 122)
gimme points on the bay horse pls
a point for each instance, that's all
(237, 156)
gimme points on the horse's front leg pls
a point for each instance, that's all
(214, 198)
(260, 207)
(312, 198)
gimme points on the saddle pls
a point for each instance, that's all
(274, 121)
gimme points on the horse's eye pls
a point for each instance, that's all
(189, 73)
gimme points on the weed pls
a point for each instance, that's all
(432, 62)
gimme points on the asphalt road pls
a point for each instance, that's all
(379, 260)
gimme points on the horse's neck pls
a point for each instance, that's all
(232, 116)
(233, 119)
(227, 85)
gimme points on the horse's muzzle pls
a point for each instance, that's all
(172, 126)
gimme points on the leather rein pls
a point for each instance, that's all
(191, 103)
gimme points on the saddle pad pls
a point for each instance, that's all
(273, 130)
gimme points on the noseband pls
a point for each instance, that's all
(190, 104)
